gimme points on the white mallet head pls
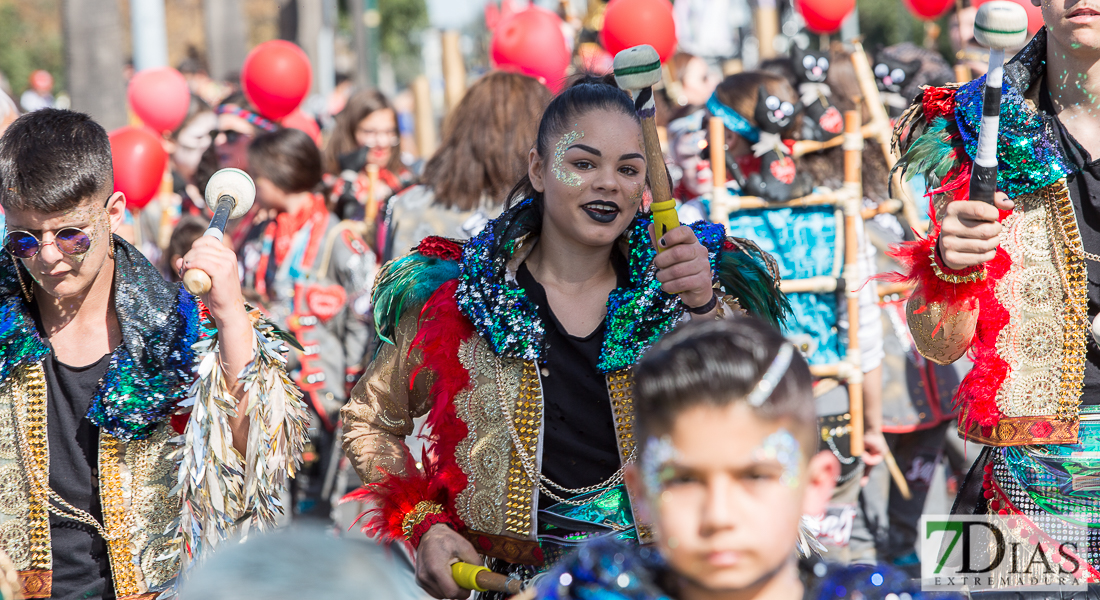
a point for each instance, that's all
(637, 68)
(1001, 25)
(234, 183)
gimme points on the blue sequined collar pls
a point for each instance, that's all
(150, 371)
(501, 312)
(1028, 149)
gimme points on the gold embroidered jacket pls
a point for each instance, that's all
(484, 412)
(170, 483)
(1022, 316)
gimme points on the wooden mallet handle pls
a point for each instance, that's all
(638, 69)
(481, 579)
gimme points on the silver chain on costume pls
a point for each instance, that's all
(531, 468)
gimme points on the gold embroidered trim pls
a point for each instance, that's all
(30, 419)
(417, 515)
(1075, 278)
(115, 518)
(484, 453)
(527, 417)
(153, 507)
(620, 389)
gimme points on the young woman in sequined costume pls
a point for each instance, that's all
(519, 345)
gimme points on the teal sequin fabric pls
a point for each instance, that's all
(637, 315)
(1061, 479)
(1027, 148)
(153, 367)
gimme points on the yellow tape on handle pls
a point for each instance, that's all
(664, 219)
(465, 576)
(481, 579)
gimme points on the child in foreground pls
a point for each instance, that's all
(728, 469)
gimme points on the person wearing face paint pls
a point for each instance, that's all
(1013, 284)
(139, 425)
(519, 346)
(729, 467)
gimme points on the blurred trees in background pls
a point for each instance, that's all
(30, 38)
(886, 22)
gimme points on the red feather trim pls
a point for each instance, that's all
(442, 329)
(977, 395)
(938, 102)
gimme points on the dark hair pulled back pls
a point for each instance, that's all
(587, 94)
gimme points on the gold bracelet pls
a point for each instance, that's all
(417, 515)
(965, 275)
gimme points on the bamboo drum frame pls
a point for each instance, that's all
(853, 162)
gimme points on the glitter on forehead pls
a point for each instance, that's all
(656, 470)
(1027, 149)
(560, 172)
(637, 314)
(783, 447)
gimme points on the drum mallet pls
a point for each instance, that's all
(637, 70)
(999, 25)
(231, 193)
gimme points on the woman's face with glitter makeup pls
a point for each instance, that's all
(56, 273)
(593, 180)
(731, 488)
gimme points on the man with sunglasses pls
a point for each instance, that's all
(132, 414)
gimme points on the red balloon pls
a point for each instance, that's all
(1034, 14)
(531, 42)
(139, 161)
(160, 98)
(824, 16)
(929, 9)
(301, 121)
(629, 23)
(276, 77)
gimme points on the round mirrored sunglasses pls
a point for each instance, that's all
(70, 241)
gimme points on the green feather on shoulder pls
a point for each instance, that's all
(408, 282)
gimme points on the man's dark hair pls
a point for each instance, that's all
(288, 158)
(718, 363)
(51, 160)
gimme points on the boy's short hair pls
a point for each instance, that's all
(51, 160)
(718, 363)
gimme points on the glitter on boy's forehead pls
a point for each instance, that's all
(567, 177)
(784, 448)
(656, 461)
